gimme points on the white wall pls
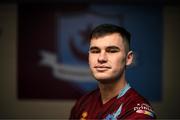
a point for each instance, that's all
(11, 107)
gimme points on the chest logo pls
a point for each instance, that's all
(84, 115)
(144, 109)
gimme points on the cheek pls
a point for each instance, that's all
(123, 61)
(119, 62)
(91, 60)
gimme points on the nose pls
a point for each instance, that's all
(102, 57)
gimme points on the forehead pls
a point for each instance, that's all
(114, 39)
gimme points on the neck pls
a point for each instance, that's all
(110, 90)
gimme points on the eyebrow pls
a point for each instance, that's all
(108, 47)
(93, 47)
(113, 47)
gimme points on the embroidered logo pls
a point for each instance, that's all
(144, 109)
(84, 115)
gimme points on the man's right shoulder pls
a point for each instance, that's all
(88, 97)
(83, 102)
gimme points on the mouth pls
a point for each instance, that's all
(102, 68)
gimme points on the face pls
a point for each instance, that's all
(107, 57)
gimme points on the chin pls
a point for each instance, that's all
(104, 79)
(101, 76)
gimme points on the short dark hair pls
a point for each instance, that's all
(105, 29)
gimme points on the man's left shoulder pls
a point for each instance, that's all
(133, 96)
(137, 106)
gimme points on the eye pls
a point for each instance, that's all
(112, 49)
(94, 50)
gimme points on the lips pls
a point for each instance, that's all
(102, 68)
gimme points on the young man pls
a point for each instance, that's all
(109, 54)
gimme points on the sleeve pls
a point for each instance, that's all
(141, 115)
(141, 111)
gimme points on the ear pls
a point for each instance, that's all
(129, 58)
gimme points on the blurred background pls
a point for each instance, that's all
(44, 46)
